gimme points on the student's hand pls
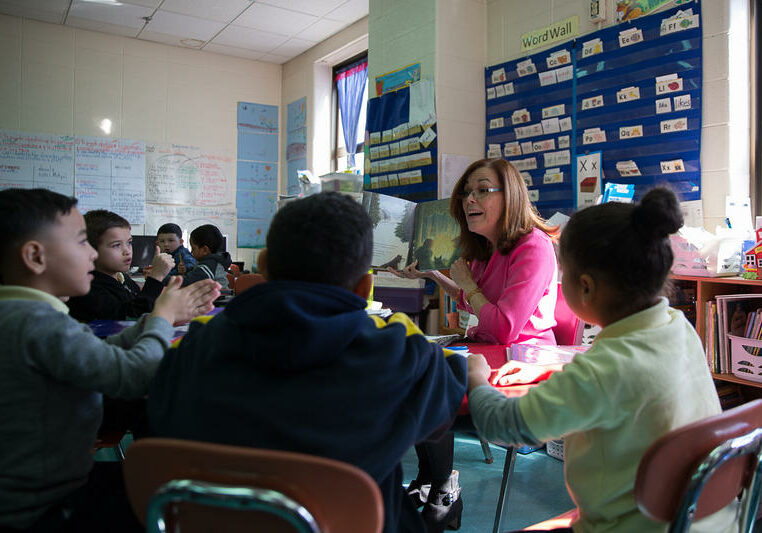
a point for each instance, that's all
(409, 272)
(178, 305)
(181, 269)
(462, 276)
(161, 265)
(520, 373)
(478, 371)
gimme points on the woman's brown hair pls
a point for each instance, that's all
(518, 219)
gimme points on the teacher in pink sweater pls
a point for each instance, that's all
(507, 276)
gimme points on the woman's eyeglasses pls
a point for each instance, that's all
(479, 193)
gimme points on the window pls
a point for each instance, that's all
(339, 150)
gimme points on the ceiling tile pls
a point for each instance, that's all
(275, 19)
(272, 58)
(219, 10)
(183, 26)
(123, 15)
(232, 51)
(174, 40)
(260, 41)
(321, 30)
(312, 7)
(104, 27)
(350, 11)
(293, 47)
(44, 10)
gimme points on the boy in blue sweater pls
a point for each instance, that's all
(169, 238)
(297, 364)
(53, 370)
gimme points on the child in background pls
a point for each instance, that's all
(297, 364)
(213, 262)
(644, 376)
(53, 370)
(170, 240)
(114, 295)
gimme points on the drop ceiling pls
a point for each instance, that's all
(265, 30)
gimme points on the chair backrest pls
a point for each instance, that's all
(198, 484)
(245, 281)
(696, 470)
(234, 270)
(569, 327)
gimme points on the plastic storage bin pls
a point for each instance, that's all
(746, 358)
(555, 448)
(400, 299)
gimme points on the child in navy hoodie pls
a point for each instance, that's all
(297, 364)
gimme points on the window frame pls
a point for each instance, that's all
(337, 152)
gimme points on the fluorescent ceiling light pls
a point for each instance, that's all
(104, 2)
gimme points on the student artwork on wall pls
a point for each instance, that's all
(403, 153)
(257, 185)
(626, 99)
(296, 143)
(187, 175)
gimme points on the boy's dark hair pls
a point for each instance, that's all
(627, 245)
(324, 238)
(99, 221)
(170, 228)
(207, 235)
(26, 212)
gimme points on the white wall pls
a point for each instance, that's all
(57, 79)
(724, 135)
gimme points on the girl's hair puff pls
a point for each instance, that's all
(626, 245)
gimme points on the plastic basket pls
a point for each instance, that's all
(555, 448)
(746, 358)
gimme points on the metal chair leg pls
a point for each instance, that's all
(505, 486)
(486, 451)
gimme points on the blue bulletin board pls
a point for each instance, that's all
(628, 103)
(403, 153)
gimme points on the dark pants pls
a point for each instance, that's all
(100, 505)
(435, 459)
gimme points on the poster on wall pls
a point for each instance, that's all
(191, 217)
(257, 165)
(110, 174)
(296, 143)
(187, 175)
(397, 79)
(29, 160)
(632, 9)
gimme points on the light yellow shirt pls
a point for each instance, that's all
(18, 292)
(644, 376)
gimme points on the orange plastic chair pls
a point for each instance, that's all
(245, 281)
(234, 270)
(698, 469)
(195, 486)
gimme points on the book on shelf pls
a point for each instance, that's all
(404, 232)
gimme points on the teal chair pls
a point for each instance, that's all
(188, 486)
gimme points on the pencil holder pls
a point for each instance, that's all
(746, 358)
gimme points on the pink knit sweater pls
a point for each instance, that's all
(521, 290)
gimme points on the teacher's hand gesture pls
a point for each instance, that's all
(410, 272)
(461, 274)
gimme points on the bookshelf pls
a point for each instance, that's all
(445, 306)
(707, 289)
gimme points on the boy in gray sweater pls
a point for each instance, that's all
(53, 370)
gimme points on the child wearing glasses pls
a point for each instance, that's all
(507, 276)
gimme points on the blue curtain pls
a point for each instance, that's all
(350, 83)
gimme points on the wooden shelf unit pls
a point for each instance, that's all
(707, 289)
(443, 328)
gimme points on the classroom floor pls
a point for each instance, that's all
(537, 489)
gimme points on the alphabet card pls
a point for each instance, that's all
(588, 179)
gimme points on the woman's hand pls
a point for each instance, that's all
(478, 371)
(462, 276)
(409, 272)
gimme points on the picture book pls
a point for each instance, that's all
(404, 232)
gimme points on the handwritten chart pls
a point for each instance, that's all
(187, 175)
(191, 217)
(110, 174)
(29, 160)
